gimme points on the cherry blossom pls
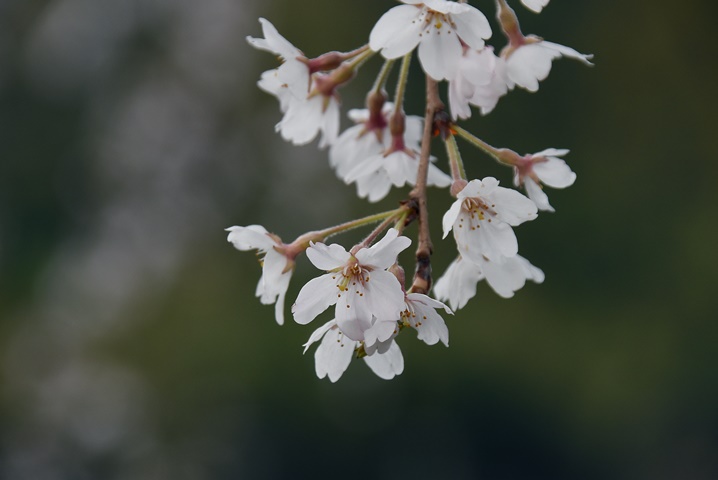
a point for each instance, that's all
(335, 352)
(438, 27)
(421, 315)
(308, 101)
(543, 167)
(277, 267)
(530, 63)
(481, 219)
(480, 80)
(505, 277)
(370, 156)
(358, 284)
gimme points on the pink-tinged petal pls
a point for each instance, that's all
(569, 52)
(383, 253)
(318, 334)
(385, 295)
(555, 173)
(353, 311)
(387, 365)
(512, 207)
(328, 257)
(315, 297)
(397, 31)
(535, 5)
(440, 53)
(450, 217)
(252, 237)
(333, 355)
(472, 27)
(458, 284)
(537, 195)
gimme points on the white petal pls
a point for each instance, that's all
(387, 365)
(569, 52)
(384, 252)
(333, 355)
(385, 295)
(537, 195)
(458, 284)
(330, 124)
(315, 297)
(328, 257)
(554, 172)
(381, 331)
(397, 31)
(530, 64)
(535, 5)
(318, 334)
(440, 52)
(353, 311)
(512, 207)
(429, 325)
(472, 26)
(450, 217)
(250, 238)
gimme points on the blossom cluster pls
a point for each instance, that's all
(365, 288)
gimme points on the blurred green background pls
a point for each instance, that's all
(132, 347)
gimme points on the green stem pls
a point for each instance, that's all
(455, 162)
(359, 60)
(380, 81)
(497, 154)
(401, 82)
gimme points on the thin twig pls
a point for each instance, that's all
(422, 275)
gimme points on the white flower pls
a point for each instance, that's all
(458, 284)
(505, 277)
(437, 26)
(335, 352)
(543, 167)
(358, 284)
(368, 155)
(535, 5)
(421, 315)
(480, 80)
(482, 217)
(530, 63)
(277, 268)
(306, 114)
(307, 117)
(292, 76)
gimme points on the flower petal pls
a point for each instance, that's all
(397, 31)
(386, 365)
(315, 297)
(327, 257)
(333, 355)
(440, 53)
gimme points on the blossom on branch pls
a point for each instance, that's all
(480, 80)
(277, 267)
(438, 27)
(358, 284)
(535, 5)
(543, 167)
(481, 219)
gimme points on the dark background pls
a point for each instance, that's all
(131, 346)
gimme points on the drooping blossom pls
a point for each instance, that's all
(480, 80)
(335, 352)
(438, 27)
(277, 267)
(481, 219)
(309, 103)
(530, 63)
(543, 167)
(358, 284)
(458, 284)
(421, 315)
(369, 155)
